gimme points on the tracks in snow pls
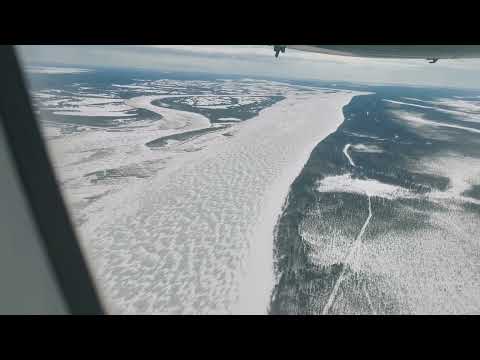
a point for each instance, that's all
(352, 252)
(345, 151)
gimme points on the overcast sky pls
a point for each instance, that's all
(259, 61)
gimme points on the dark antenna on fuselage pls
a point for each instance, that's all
(278, 49)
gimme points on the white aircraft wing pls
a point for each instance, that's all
(429, 52)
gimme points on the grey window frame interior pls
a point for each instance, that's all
(41, 190)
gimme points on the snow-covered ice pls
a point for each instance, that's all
(175, 118)
(198, 236)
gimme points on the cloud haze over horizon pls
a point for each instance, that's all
(258, 60)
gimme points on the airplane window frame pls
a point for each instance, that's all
(39, 184)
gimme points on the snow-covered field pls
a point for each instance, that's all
(345, 183)
(196, 236)
(418, 120)
(463, 110)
